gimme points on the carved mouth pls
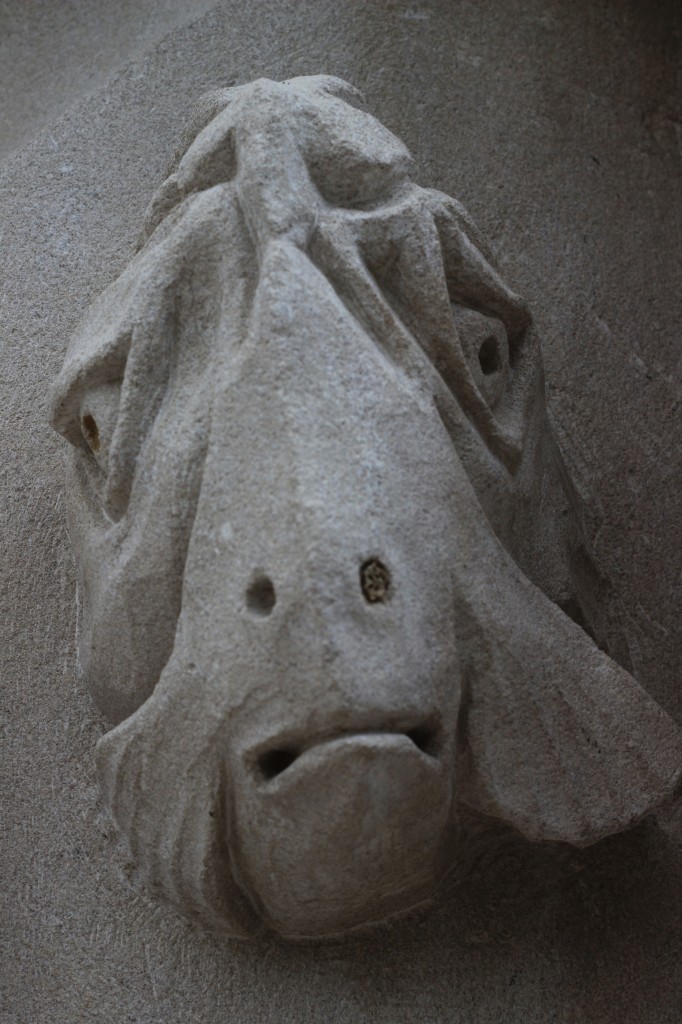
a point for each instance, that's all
(270, 764)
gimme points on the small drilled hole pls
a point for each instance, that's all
(260, 596)
(489, 356)
(90, 431)
(274, 762)
(375, 580)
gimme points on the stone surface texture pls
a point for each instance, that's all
(558, 127)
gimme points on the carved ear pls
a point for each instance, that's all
(560, 741)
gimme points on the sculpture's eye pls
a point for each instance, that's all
(91, 431)
(98, 416)
(489, 356)
(485, 344)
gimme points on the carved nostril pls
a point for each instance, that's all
(375, 581)
(273, 762)
(260, 595)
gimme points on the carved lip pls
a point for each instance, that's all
(271, 761)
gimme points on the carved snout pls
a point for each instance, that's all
(315, 661)
(352, 830)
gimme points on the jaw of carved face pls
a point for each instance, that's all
(308, 430)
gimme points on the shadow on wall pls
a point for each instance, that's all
(590, 914)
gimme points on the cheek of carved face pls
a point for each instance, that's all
(133, 485)
(131, 569)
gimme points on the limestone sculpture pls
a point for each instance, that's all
(333, 584)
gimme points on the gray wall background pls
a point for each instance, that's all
(559, 127)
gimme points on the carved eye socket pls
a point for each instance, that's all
(486, 347)
(98, 416)
(489, 356)
(90, 431)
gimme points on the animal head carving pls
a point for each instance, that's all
(325, 537)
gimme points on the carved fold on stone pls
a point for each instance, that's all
(558, 739)
(311, 367)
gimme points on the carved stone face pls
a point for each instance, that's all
(312, 481)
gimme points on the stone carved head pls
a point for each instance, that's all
(333, 585)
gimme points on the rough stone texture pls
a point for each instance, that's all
(557, 126)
